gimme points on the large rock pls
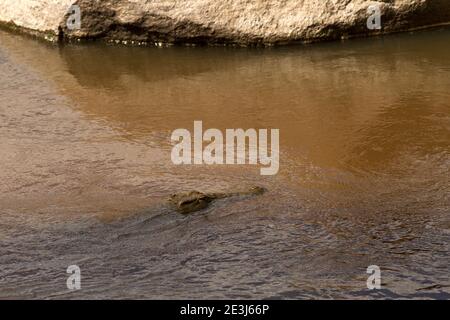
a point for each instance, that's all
(42, 17)
(240, 22)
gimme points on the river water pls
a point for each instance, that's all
(364, 170)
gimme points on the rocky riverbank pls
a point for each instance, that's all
(237, 22)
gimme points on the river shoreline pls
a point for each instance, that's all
(53, 38)
(233, 23)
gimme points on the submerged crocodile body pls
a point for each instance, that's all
(193, 201)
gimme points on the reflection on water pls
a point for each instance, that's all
(364, 176)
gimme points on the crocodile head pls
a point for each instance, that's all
(191, 201)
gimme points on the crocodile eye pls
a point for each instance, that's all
(185, 202)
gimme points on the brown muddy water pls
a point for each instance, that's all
(364, 170)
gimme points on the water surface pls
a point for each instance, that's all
(364, 170)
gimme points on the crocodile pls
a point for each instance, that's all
(189, 202)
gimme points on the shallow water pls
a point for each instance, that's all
(364, 170)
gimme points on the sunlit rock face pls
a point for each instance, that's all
(42, 16)
(241, 22)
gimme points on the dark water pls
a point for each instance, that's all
(364, 170)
